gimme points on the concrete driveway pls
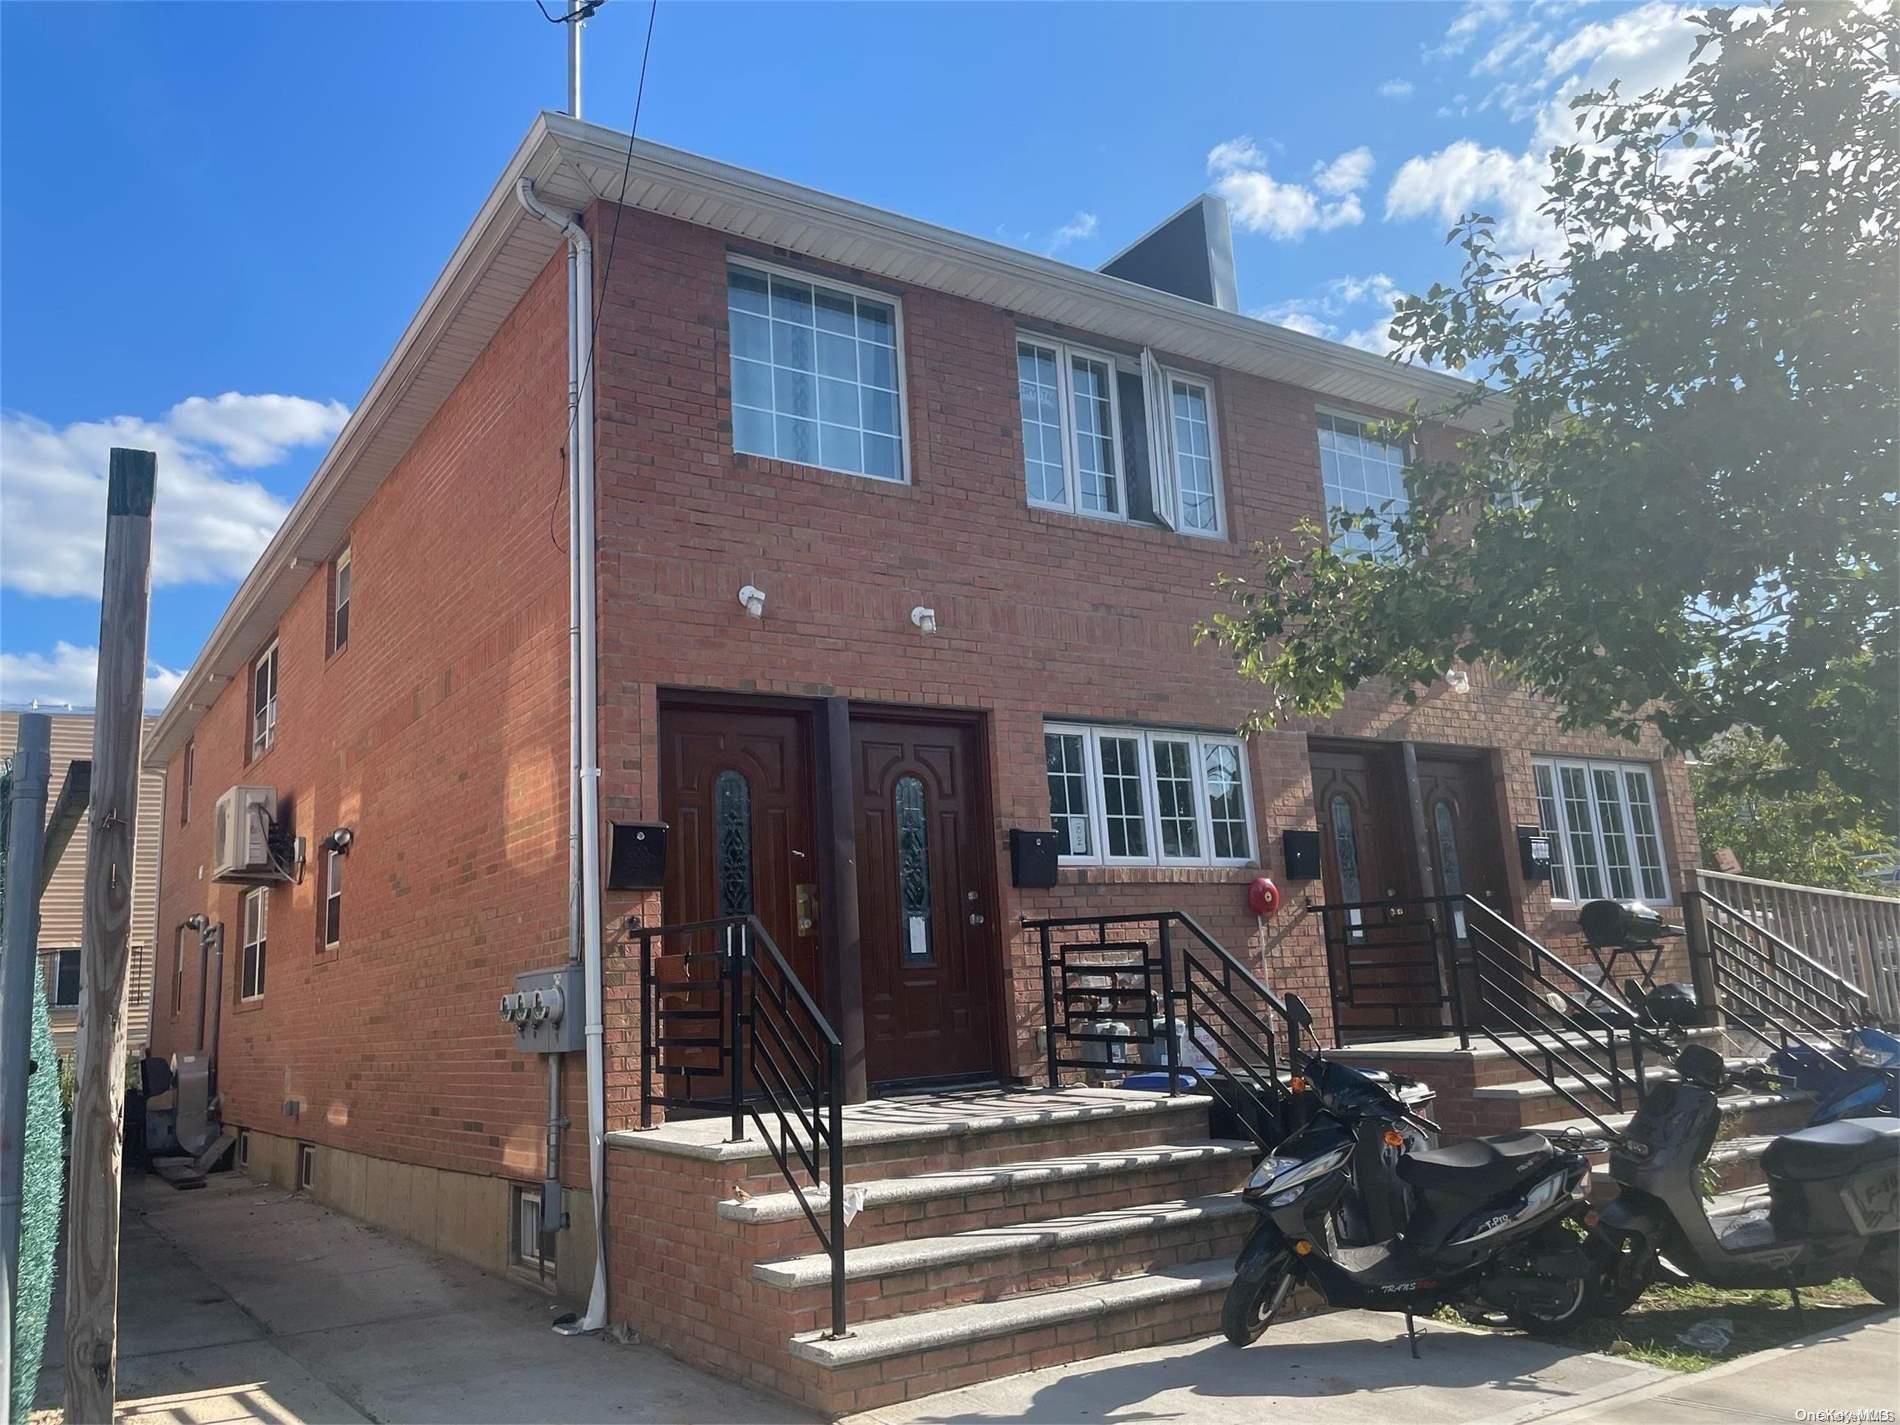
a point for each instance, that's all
(242, 1302)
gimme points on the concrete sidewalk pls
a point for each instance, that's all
(1852, 1373)
(242, 1302)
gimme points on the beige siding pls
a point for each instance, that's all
(62, 908)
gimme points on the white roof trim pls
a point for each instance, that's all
(574, 163)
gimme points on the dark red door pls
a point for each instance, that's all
(1462, 821)
(1382, 957)
(736, 792)
(929, 947)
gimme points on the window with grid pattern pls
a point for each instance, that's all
(1605, 838)
(1360, 475)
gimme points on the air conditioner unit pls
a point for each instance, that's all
(240, 836)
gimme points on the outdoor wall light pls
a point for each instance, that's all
(925, 619)
(752, 599)
(196, 923)
(338, 841)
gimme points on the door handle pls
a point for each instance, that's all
(976, 917)
(805, 906)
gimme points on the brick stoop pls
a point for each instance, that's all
(998, 1232)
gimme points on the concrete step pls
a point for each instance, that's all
(1742, 1114)
(995, 1195)
(1526, 1103)
(941, 1132)
(1094, 1318)
(1736, 1162)
(998, 1264)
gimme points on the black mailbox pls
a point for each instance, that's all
(636, 856)
(1533, 851)
(1301, 849)
(1032, 858)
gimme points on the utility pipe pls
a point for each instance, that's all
(586, 791)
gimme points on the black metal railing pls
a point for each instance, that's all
(726, 1026)
(1384, 964)
(1154, 989)
(1578, 1037)
(1770, 990)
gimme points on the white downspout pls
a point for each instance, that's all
(584, 734)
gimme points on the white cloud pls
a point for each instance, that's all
(208, 525)
(70, 676)
(1396, 89)
(1081, 226)
(255, 431)
(1538, 65)
(1473, 17)
(1346, 174)
(1263, 204)
(1338, 305)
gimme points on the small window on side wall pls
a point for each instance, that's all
(332, 921)
(186, 772)
(264, 701)
(340, 602)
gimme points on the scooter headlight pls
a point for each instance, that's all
(1278, 1173)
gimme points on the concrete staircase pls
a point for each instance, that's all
(990, 1233)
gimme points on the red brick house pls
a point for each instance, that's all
(901, 538)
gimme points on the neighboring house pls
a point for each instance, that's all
(938, 459)
(62, 908)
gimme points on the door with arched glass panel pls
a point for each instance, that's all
(929, 951)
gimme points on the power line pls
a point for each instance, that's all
(613, 237)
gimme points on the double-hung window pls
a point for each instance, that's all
(1605, 836)
(256, 942)
(66, 978)
(186, 937)
(815, 373)
(1146, 797)
(1117, 439)
(332, 899)
(1362, 477)
(264, 701)
(340, 602)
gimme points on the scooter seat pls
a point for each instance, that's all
(1832, 1150)
(1476, 1167)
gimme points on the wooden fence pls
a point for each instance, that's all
(1856, 936)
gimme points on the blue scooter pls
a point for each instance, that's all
(1870, 1088)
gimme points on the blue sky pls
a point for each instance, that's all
(216, 219)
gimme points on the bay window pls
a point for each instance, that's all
(1605, 834)
(1134, 796)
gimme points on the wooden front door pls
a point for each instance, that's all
(924, 901)
(1462, 821)
(736, 791)
(1382, 958)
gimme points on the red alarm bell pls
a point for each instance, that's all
(1263, 897)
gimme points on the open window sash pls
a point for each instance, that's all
(1154, 384)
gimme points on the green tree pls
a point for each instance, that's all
(1680, 511)
(1813, 835)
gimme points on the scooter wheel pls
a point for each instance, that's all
(1587, 1302)
(1624, 1272)
(1262, 1282)
(1879, 1269)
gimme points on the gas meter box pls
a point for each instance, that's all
(548, 1011)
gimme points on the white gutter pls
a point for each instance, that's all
(584, 733)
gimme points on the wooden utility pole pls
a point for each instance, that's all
(92, 1250)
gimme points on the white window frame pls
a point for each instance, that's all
(306, 1167)
(525, 1247)
(813, 279)
(1362, 420)
(1560, 835)
(263, 721)
(339, 600)
(1169, 376)
(1071, 501)
(332, 895)
(1146, 737)
(254, 961)
(186, 936)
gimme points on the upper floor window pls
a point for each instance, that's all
(185, 774)
(815, 373)
(1605, 837)
(1360, 475)
(1134, 796)
(340, 601)
(332, 899)
(1106, 437)
(264, 700)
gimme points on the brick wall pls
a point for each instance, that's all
(439, 733)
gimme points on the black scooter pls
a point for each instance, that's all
(1833, 1191)
(1489, 1231)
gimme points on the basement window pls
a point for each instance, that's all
(527, 1229)
(1116, 438)
(306, 1166)
(244, 1148)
